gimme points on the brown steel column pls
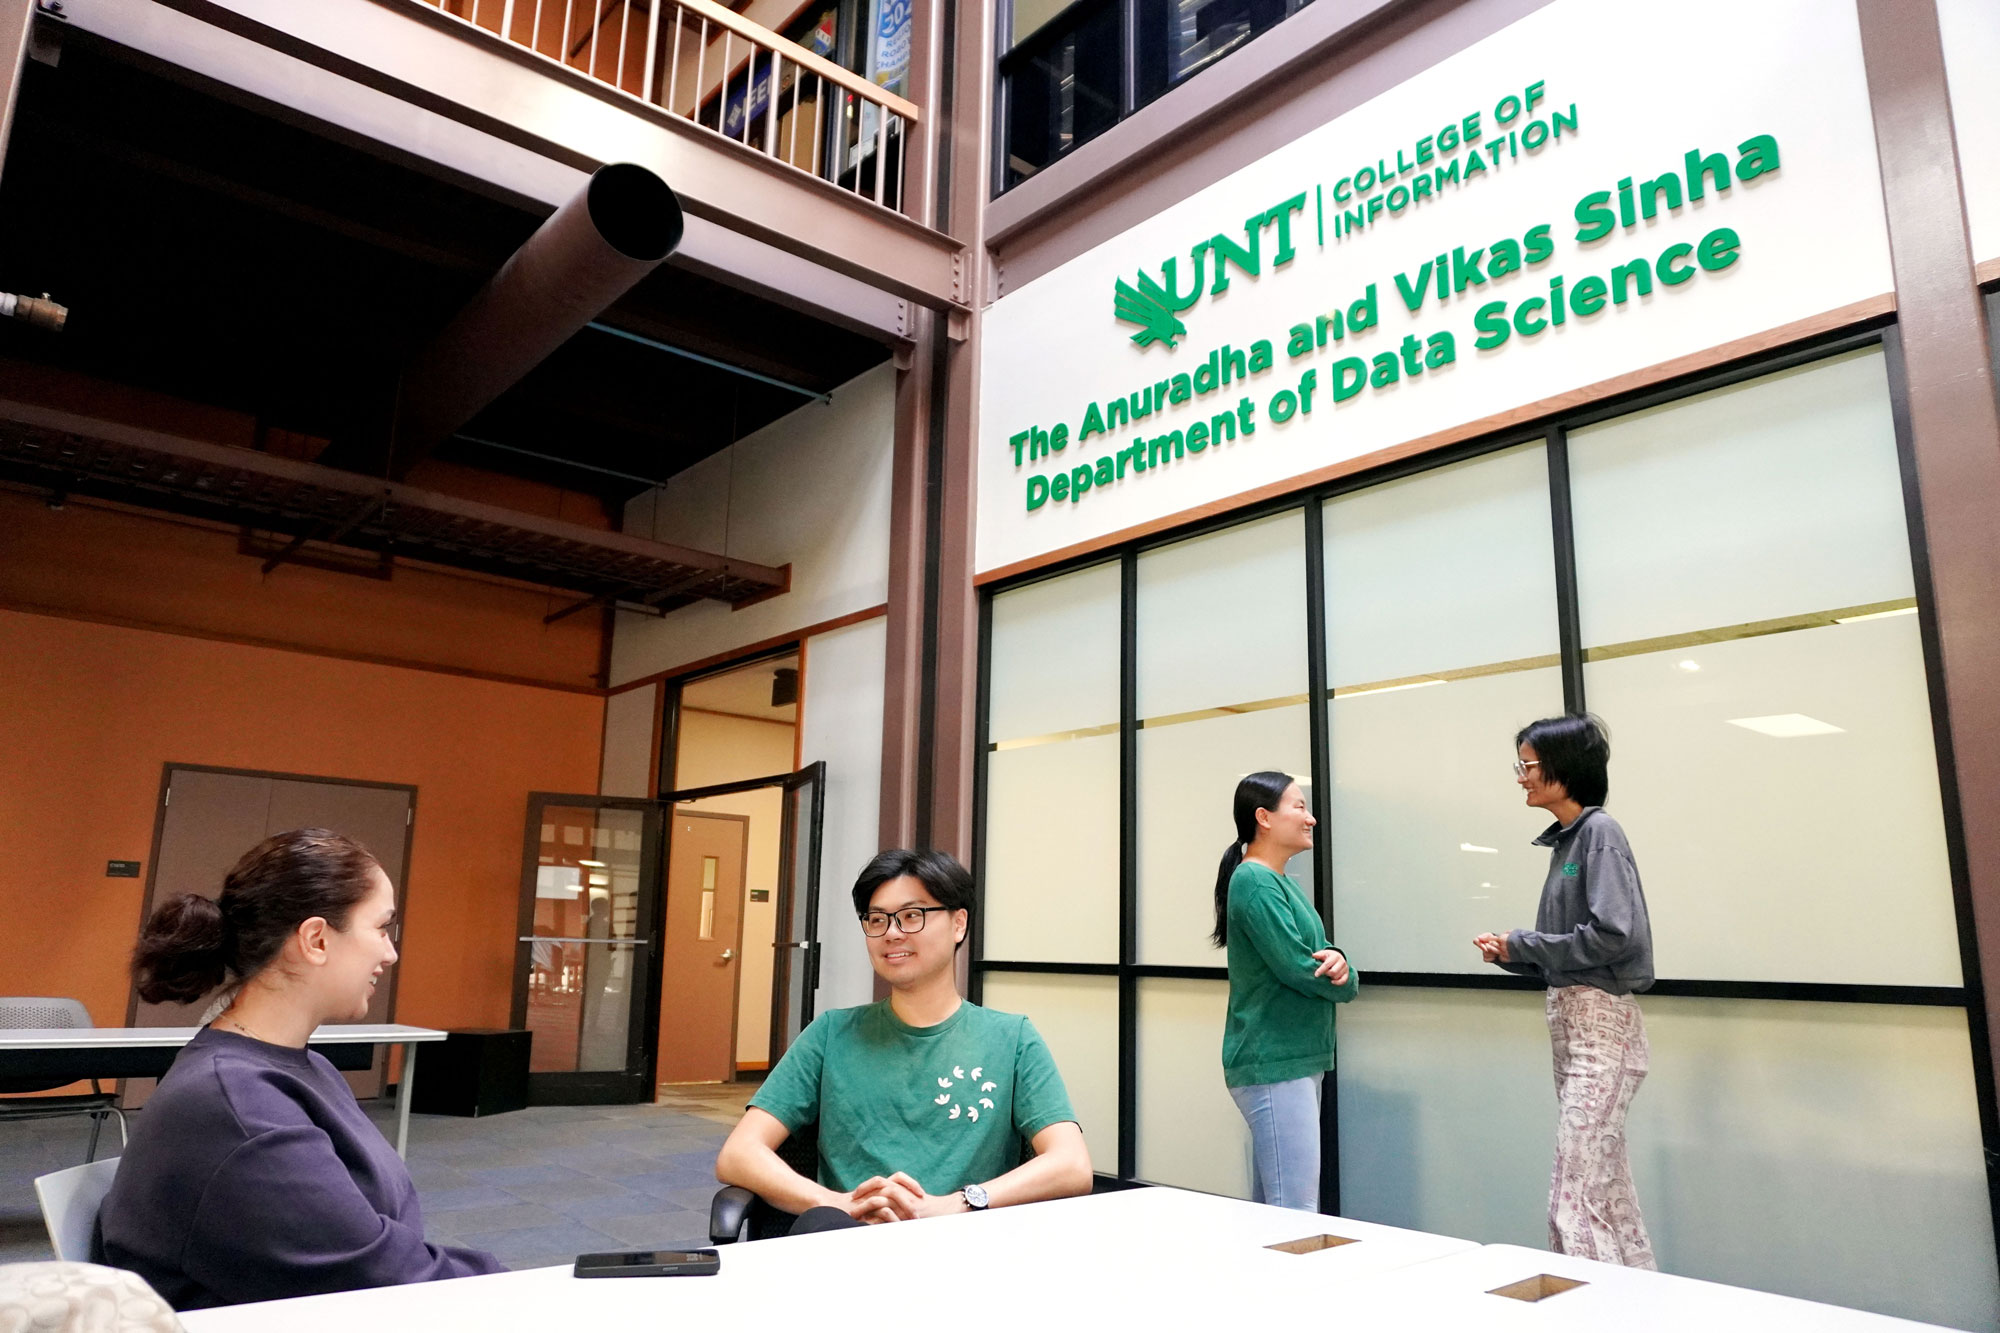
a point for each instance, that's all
(1953, 428)
(969, 155)
(903, 683)
(17, 22)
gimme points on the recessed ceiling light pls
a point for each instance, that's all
(1485, 885)
(1690, 665)
(598, 864)
(1786, 725)
(1474, 847)
(1875, 615)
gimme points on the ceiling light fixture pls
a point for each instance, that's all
(1690, 665)
(1475, 847)
(1786, 726)
(598, 864)
(1875, 615)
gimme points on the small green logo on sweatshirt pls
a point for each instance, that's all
(1570, 868)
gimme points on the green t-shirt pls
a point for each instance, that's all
(952, 1105)
(1280, 1021)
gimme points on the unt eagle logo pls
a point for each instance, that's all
(1155, 304)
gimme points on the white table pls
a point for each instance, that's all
(104, 1053)
(1152, 1256)
(1140, 1261)
(1455, 1292)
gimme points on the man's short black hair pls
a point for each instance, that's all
(1574, 750)
(939, 872)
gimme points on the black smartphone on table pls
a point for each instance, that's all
(649, 1263)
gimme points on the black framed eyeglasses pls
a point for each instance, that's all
(910, 920)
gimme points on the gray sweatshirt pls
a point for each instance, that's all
(1591, 928)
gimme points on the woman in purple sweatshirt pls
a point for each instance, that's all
(253, 1174)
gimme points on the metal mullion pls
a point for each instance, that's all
(1569, 632)
(1128, 59)
(982, 701)
(674, 69)
(1128, 865)
(1318, 714)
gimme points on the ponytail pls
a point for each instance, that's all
(1258, 791)
(183, 953)
(191, 945)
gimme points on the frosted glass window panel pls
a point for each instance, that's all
(1054, 656)
(1760, 853)
(1430, 841)
(1051, 882)
(1187, 776)
(1772, 498)
(1222, 618)
(1078, 1018)
(1189, 1131)
(1825, 1151)
(1453, 568)
(1447, 1113)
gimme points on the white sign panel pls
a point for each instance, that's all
(1971, 33)
(1595, 190)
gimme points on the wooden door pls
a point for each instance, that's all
(701, 946)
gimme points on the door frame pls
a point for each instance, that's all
(786, 783)
(604, 1087)
(167, 771)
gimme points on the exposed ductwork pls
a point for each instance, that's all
(590, 252)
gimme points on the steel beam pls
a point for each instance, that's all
(328, 102)
(465, 74)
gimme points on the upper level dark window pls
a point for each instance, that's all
(1071, 72)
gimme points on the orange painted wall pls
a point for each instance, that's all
(89, 714)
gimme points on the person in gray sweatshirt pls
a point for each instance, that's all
(1592, 946)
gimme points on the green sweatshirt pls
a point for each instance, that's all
(1280, 1024)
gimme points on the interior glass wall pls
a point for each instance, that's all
(1441, 641)
(1735, 570)
(1052, 765)
(1750, 632)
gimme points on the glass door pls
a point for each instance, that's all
(739, 935)
(583, 966)
(795, 970)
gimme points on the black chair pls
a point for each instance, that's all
(736, 1214)
(41, 1011)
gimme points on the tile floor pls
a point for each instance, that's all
(534, 1187)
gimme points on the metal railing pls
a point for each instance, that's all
(709, 65)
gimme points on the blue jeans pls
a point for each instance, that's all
(1284, 1136)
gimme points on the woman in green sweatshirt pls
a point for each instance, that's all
(1284, 979)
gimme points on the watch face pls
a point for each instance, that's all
(975, 1196)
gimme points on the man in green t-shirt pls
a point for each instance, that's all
(924, 1102)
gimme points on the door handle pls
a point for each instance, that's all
(728, 954)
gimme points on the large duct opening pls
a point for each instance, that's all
(635, 212)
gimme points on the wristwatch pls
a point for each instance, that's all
(975, 1197)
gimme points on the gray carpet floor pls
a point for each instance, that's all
(533, 1187)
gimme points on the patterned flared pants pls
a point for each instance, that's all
(1601, 1056)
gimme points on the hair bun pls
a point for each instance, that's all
(183, 952)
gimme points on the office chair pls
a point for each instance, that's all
(736, 1214)
(37, 1011)
(71, 1201)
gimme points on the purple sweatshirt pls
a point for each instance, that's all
(253, 1175)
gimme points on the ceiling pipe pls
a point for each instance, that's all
(590, 252)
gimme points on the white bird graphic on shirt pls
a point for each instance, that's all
(943, 1097)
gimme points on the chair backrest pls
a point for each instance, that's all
(70, 1202)
(42, 1011)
